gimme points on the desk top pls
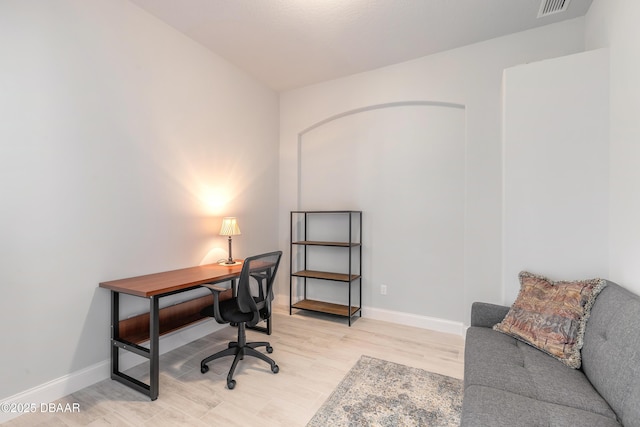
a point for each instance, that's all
(175, 280)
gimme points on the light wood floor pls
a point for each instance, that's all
(313, 351)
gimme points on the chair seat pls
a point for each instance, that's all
(230, 312)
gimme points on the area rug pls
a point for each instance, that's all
(376, 392)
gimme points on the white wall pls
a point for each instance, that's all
(122, 143)
(614, 24)
(556, 169)
(470, 76)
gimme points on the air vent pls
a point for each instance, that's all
(549, 7)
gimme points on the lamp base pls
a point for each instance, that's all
(229, 264)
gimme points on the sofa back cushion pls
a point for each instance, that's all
(611, 351)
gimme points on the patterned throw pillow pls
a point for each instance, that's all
(552, 316)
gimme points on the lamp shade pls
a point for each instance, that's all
(229, 226)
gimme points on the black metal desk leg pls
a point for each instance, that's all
(115, 332)
(151, 353)
(154, 349)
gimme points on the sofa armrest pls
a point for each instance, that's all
(486, 315)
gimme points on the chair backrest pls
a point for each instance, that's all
(261, 268)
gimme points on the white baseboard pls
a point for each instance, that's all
(409, 319)
(70, 383)
(401, 318)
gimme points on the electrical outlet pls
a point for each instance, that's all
(383, 289)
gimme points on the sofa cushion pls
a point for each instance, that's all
(499, 361)
(611, 351)
(551, 315)
(487, 406)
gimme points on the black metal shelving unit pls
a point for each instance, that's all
(299, 254)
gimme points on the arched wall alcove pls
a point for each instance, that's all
(403, 165)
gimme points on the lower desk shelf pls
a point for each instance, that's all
(326, 307)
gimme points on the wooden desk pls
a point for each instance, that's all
(153, 287)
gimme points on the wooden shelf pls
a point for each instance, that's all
(328, 212)
(325, 307)
(136, 329)
(316, 243)
(325, 275)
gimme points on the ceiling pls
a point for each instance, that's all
(292, 43)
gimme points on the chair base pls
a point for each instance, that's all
(239, 349)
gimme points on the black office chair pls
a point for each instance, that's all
(247, 308)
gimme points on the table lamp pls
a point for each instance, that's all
(229, 228)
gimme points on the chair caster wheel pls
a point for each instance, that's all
(269, 349)
(231, 384)
(275, 369)
(204, 369)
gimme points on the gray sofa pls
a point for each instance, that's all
(510, 383)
